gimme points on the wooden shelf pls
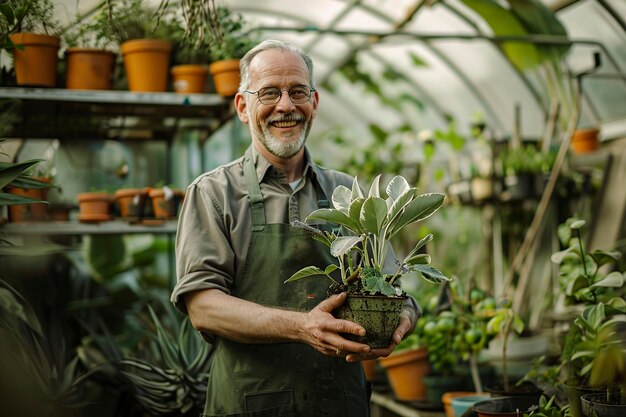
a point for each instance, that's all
(385, 406)
(73, 228)
(107, 114)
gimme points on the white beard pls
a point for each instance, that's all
(277, 147)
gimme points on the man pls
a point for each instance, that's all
(278, 351)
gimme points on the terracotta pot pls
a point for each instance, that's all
(131, 202)
(447, 397)
(147, 64)
(89, 69)
(35, 212)
(165, 202)
(405, 371)
(369, 367)
(94, 207)
(379, 316)
(504, 406)
(226, 76)
(585, 140)
(189, 79)
(36, 63)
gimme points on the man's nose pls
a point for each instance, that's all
(284, 103)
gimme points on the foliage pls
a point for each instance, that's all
(369, 224)
(208, 29)
(595, 346)
(527, 159)
(35, 16)
(12, 14)
(44, 379)
(547, 408)
(118, 21)
(503, 322)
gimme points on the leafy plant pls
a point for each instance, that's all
(12, 14)
(119, 21)
(35, 16)
(369, 224)
(594, 348)
(503, 322)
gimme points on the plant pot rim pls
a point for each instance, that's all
(30, 38)
(405, 355)
(145, 44)
(190, 69)
(158, 192)
(93, 195)
(224, 65)
(85, 50)
(482, 406)
(128, 192)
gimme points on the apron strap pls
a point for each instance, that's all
(256, 198)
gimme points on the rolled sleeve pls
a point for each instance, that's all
(204, 257)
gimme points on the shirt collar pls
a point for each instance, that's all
(264, 167)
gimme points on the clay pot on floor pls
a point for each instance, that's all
(406, 370)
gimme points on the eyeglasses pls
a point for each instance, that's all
(298, 94)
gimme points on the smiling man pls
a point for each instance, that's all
(278, 351)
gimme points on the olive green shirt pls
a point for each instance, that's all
(215, 223)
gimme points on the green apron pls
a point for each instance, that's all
(281, 379)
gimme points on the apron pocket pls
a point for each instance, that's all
(275, 403)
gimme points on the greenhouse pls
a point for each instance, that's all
(343, 208)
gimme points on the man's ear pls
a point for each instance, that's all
(240, 106)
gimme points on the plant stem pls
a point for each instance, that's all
(478, 386)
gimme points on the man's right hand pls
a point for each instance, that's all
(322, 331)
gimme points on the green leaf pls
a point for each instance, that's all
(397, 187)
(398, 205)
(558, 257)
(577, 224)
(305, 272)
(355, 213)
(375, 187)
(343, 245)
(613, 280)
(373, 284)
(10, 171)
(334, 216)
(575, 285)
(618, 303)
(518, 324)
(7, 199)
(341, 198)
(605, 257)
(373, 214)
(356, 190)
(419, 209)
(504, 23)
(431, 274)
(421, 259)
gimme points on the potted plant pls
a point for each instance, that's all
(94, 206)
(90, 61)
(592, 339)
(35, 41)
(142, 38)
(166, 201)
(369, 224)
(224, 33)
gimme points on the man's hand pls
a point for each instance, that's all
(322, 331)
(406, 323)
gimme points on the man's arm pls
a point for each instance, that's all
(216, 313)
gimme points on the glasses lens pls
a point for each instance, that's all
(299, 94)
(269, 95)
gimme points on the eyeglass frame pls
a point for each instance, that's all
(311, 91)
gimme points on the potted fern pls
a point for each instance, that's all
(361, 245)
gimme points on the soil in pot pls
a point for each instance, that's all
(379, 316)
(527, 389)
(598, 405)
(505, 406)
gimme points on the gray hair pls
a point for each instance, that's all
(244, 65)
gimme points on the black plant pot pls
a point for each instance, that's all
(505, 406)
(598, 405)
(526, 389)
